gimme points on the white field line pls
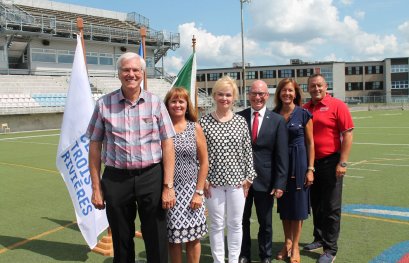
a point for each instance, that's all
(381, 144)
(354, 176)
(363, 169)
(365, 127)
(41, 143)
(358, 118)
(391, 114)
(17, 132)
(380, 133)
(27, 137)
(398, 154)
(385, 164)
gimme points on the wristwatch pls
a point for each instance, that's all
(343, 164)
(311, 168)
(199, 192)
(169, 185)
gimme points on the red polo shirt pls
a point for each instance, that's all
(331, 117)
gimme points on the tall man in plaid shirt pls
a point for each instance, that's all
(131, 132)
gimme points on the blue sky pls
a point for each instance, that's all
(275, 30)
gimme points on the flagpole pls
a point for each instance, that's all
(104, 246)
(142, 31)
(196, 88)
(80, 25)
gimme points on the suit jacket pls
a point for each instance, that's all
(270, 152)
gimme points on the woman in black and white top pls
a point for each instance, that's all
(231, 170)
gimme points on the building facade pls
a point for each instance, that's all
(352, 82)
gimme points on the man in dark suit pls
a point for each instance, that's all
(270, 152)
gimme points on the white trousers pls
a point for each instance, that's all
(229, 201)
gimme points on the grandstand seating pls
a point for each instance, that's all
(20, 94)
(70, 16)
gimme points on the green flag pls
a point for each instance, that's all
(187, 77)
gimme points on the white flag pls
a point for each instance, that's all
(72, 153)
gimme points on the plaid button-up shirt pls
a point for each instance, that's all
(131, 134)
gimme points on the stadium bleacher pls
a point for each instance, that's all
(36, 52)
(21, 94)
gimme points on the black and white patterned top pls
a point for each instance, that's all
(229, 148)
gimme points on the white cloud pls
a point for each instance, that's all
(331, 57)
(359, 14)
(311, 30)
(346, 2)
(404, 29)
(293, 20)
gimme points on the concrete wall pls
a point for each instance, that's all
(30, 122)
(3, 53)
(338, 79)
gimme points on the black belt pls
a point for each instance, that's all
(331, 157)
(132, 171)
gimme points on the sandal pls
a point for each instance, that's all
(284, 253)
(295, 256)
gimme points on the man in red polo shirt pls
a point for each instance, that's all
(333, 127)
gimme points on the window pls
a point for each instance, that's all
(353, 70)
(376, 85)
(234, 75)
(65, 56)
(200, 77)
(399, 68)
(251, 75)
(304, 72)
(213, 76)
(374, 70)
(304, 87)
(327, 73)
(286, 73)
(353, 86)
(43, 55)
(106, 59)
(92, 58)
(402, 84)
(267, 74)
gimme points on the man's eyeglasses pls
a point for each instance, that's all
(260, 94)
(134, 70)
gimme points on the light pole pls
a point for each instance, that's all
(243, 67)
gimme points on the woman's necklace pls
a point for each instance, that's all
(220, 119)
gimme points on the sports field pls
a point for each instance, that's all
(36, 213)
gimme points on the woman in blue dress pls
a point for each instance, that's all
(294, 205)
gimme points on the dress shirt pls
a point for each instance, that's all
(131, 132)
